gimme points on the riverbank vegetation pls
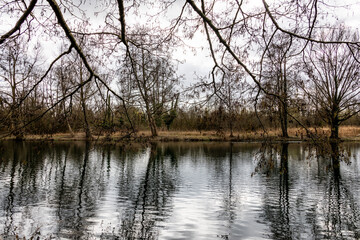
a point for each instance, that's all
(346, 133)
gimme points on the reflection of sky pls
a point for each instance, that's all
(201, 201)
(193, 191)
(112, 208)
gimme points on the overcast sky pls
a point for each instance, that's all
(198, 61)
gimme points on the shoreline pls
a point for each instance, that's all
(347, 134)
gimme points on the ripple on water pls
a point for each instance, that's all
(200, 192)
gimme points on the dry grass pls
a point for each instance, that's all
(346, 133)
(350, 132)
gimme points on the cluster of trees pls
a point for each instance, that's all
(117, 71)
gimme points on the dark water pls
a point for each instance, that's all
(174, 191)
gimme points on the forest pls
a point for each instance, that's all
(104, 67)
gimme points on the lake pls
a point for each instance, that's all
(79, 190)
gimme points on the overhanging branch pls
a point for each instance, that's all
(19, 22)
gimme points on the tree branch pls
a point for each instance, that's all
(19, 22)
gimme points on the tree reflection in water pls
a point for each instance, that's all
(276, 203)
(151, 204)
(340, 209)
(10, 198)
(332, 215)
(193, 190)
(230, 200)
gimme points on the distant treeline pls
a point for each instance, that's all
(182, 119)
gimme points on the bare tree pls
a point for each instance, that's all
(17, 70)
(83, 99)
(153, 80)
(332, 82)
(63, 77)
(230, 92)
(279, 73)
(232, 39)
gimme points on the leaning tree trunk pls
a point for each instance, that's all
(69, 127)
(150, 116)
(152, 125)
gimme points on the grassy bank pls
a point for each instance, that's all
(347, 133)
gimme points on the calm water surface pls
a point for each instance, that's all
(174, 191)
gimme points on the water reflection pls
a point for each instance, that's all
(151, 204)
(341, 212)
(276, 199)
(176, 191)
(324, 207)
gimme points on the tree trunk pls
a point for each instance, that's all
(68, 124)
(67, 119)
(231, 125)
(15, 112)
(69, 127)
(83, 105)
(283, 119)
(284, 103)
(15, 124)
(86, 123)
(152, 125)
(334, 122)
(334, 129)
